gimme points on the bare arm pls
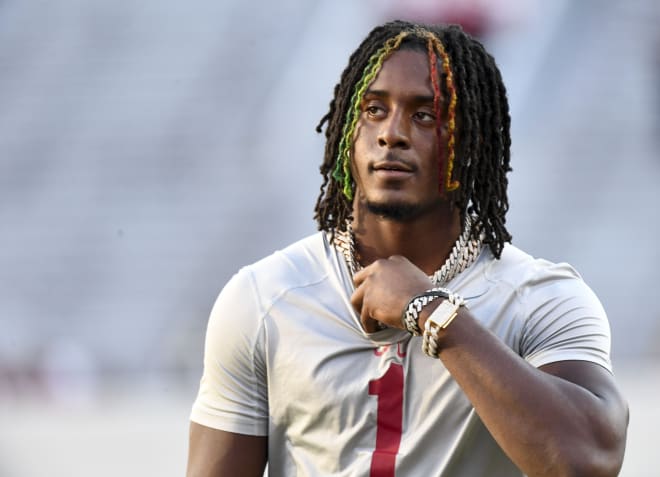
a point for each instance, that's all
(564, 419)
(215, 453)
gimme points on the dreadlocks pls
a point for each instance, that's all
(470, 97)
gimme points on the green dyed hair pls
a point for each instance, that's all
(470, 97)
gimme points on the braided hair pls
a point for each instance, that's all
(468, 93)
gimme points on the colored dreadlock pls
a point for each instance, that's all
(342, 170)
(467, 88)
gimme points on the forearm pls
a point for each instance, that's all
(546, 424)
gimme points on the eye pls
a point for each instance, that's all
(374, 111)
(425, 117)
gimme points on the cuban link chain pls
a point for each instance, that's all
(463, 254)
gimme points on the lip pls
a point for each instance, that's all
(392, 174)
(392, 166)
(392, 170)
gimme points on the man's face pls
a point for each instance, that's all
(395, 150)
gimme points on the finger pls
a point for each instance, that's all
(357, 297)
(398, 258)
(368, 323)
(361, 275)
(365, 318)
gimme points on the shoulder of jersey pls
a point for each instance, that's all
(520, 268)
(302, 263)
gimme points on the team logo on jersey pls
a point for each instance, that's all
(401, 349)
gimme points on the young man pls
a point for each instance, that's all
(408, 337)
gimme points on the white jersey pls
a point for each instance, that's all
(286, 357)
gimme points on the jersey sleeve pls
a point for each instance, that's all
(233, 394)
(564, 320)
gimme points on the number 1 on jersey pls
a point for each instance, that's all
(389, 418)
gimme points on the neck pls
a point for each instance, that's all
(426, 240)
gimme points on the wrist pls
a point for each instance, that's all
(434, 326)
(420, 306)
(427, 311)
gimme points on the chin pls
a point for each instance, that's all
(397, 211)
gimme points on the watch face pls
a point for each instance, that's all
(442, 315)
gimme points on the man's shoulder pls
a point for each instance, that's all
(300, 264)
(521, 269)
(302, 253)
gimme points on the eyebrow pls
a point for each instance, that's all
(420, 98)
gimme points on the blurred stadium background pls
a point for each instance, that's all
(149, 149)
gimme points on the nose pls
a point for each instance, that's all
(394, 132)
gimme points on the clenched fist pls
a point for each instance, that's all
(384, 288)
